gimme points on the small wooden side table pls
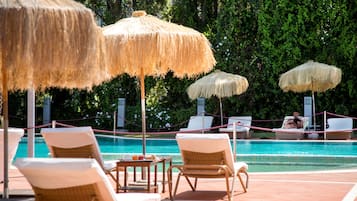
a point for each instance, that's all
(137, 163)
(143, 164)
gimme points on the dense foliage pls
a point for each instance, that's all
(258, 39)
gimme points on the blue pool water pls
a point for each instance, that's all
(266, 155)
(244, 147)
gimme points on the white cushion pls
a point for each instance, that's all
(51, 173)
(198, 122)
(339, 124)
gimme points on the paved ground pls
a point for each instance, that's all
(311, 186)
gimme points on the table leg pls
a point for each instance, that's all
(170, 172)
(155, 179)
(169, 182)
(149, 179)
(125, 178)
(163, 175)
(117, 181)
(134, 174)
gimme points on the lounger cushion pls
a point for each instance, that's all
(243, 124)
(53, 173)
(198, 122)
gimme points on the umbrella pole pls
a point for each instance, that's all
(143, 115)
(220, 107)
(325, 122)
(5, 194)
(235, 141)
(313, 110)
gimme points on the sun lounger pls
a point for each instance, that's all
(339, 128)
(291, 133)
(73, 179)
(14, 137)
(76, 142)
(197, 123)
(207, 156)
(242, 126)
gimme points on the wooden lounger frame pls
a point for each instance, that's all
(205, 165)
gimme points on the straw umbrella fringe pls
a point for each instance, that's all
(144, 42)
(50, 43)
(47, 43)
(219, 84)
(144, 45)
(310, 76)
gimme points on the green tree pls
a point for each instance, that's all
(290, 33)
(236, 51)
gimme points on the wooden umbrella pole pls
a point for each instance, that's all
(143, 117)
(143, 113)
(314, 110)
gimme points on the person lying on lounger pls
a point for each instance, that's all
(296, 122)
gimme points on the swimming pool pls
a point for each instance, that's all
(261, 155)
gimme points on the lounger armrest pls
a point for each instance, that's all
(203, 170)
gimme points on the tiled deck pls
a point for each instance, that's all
(323, 185)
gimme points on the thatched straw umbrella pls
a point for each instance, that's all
(311, 76)
(46, 43)
(145, 45)
(219, 84)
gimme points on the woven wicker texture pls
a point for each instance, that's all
(77, 193)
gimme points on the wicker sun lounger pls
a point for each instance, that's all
(291, 133)
(198, 123)
(208, 156)
(76, 142)
(73, 179)
(243, 124)
(339, 128)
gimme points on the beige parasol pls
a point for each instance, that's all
(219, 84)
(47, 43)
(145, 45)
(311, 76)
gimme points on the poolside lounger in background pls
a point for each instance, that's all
(14, 137)
(207, 156)
(198, 122)
(76, 142)
(242, 126)
(73, 179)
(339, 128)
(291, 133)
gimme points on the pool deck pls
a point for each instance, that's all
(288, 186)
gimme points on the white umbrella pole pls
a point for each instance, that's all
(143, 114)
(31, 122)
(220, 107)
(5, 194)
(313, 110)
(325, 122)
(234, 141)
